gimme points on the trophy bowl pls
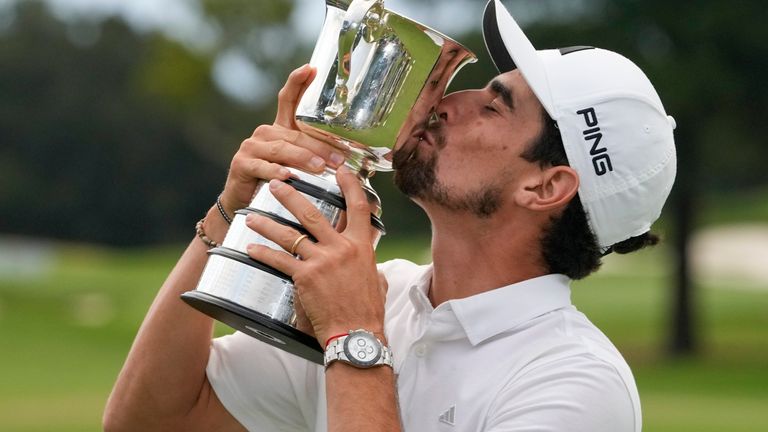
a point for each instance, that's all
(379, 77)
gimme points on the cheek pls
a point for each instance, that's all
(484, 142)
(477, 155)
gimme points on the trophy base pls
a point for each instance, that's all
(256, 325)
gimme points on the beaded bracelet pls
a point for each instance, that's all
(201, 234)
(221, 210)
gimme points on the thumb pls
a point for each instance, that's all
(289, 96)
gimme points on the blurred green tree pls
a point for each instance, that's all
(123, 139)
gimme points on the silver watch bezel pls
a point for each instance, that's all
(352, 348)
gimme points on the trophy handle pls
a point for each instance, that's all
(362, 16)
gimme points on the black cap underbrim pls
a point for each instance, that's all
(493, 42)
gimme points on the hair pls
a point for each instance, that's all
(568, 244)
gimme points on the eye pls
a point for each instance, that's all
(493, 106)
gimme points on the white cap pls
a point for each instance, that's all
(615, 131)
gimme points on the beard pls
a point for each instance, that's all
(416, 177)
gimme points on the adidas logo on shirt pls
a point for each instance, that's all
(449, 417)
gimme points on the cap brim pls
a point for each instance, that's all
(510, 49)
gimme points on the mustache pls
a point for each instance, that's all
(401, 156)
(431, 124)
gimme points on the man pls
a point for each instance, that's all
(565, 156)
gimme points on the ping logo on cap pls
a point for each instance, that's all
(601, 161)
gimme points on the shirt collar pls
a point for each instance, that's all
(488, 314)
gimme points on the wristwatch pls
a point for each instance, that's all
(360, 348)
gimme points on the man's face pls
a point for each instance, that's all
(469, 159)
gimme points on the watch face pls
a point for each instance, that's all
(362, 349)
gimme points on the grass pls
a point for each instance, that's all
(723, 387)
(65, 333)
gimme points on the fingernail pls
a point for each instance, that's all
(284, 173)
(250, 247)
(275, 184)
(250, 218)
(337, 158)
(316, 162)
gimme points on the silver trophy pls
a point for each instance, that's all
(379, 77)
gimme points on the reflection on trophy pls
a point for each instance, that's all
(379, 77)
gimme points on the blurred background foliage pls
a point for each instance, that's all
(122, 136)
(114, 136)
(116, 131)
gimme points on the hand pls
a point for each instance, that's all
(336, 278)
(265, 154)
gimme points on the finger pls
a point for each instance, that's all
(278, 260)
(307, 214)
(358, 208)
(250, 167)
(289, 96)
(334, 156)
(282, 152)
(283, 235)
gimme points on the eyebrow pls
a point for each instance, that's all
(503, 91)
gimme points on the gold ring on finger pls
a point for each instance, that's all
(296, 243)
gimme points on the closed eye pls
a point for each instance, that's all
(493, 106)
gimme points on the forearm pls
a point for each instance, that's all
(361, 399)
(164, 375)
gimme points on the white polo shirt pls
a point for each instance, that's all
(517, 358)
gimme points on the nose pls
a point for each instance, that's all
(453, 105)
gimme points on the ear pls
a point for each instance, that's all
(550, 189)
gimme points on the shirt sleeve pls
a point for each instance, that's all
(574, 394)
(264, 388)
